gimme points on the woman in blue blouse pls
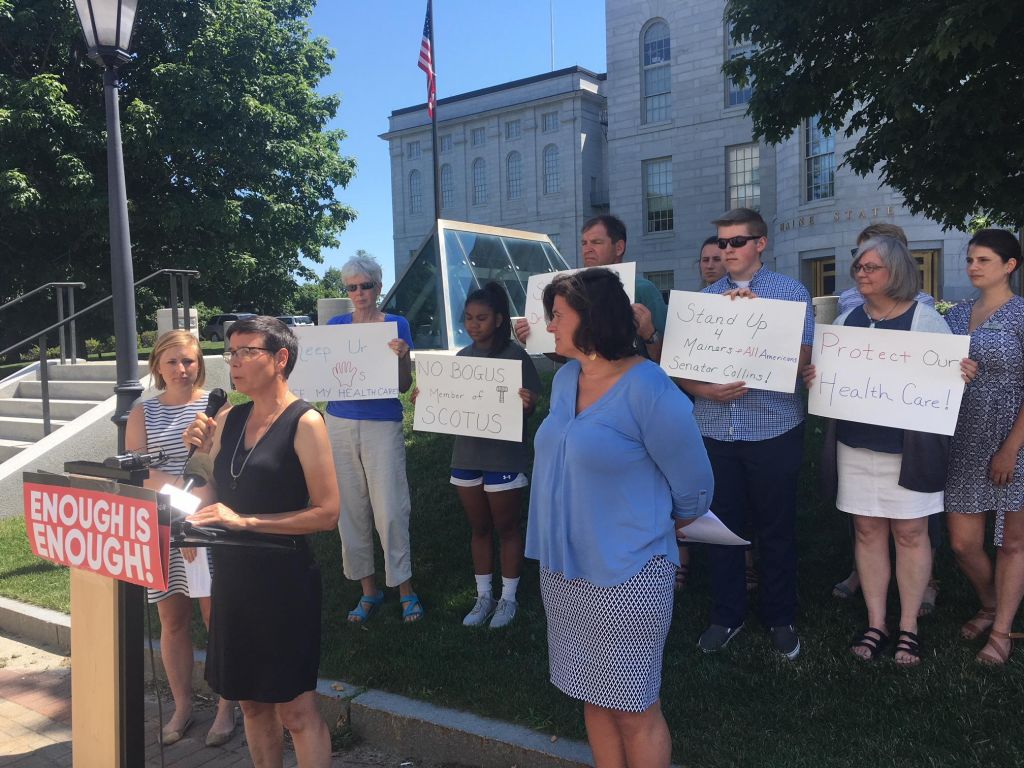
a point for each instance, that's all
(618, 463)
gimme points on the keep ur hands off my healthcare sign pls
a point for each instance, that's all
(717, 339)
(345, 362)
(474, 396)
(540, 341)
(110, 534)
(904, 379)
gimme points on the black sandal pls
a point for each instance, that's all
(875, 643)
(910, 644)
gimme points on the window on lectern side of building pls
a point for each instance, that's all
(551, 176)
(479, 182)
(415, 193)
(735, 93)
(445, 142)
(477, 137)
(513, 129)
(656, 63)
(819, 162)
(513, 176)
(412, 150)
(549, 122)
(657, 177)
(744, 176)
(664, 281)
(447, 187)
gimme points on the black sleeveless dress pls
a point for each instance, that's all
(265, 620)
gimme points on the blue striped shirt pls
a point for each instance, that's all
(759, 414)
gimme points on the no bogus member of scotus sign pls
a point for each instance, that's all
(474, 396)
(713, 338)
(540, 341)
(345, 362)
(904, 379)
(109, 534)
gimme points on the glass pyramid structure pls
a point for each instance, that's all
(455, 259)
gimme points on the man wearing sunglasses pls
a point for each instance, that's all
(603, 242)
(754, 439)
(851, 298)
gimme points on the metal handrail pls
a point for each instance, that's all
(24, 296)
(62, 288)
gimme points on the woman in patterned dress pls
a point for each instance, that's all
(986, 465)
(618, 457)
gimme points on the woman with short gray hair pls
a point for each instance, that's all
(891, 480)
(369, 457)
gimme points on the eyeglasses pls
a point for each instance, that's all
(736, 242)
(361, 287)
(867, 269)
(243, 353)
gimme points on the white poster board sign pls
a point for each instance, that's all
(713, 338)
(474, 396)
(345, 362)
(540, 341)
(904, 379)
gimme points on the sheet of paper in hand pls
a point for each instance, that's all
(904, 379)
(345, 362)
(713, 338)
(474, 396)
(540, 341)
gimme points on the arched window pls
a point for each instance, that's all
(550, 160)
(514, 176)
(656, 64)
(479, 182)
(447, 187)
(415, 192)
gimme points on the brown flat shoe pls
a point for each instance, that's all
(979, 624)
(998, 648)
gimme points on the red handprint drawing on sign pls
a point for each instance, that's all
(345, 372)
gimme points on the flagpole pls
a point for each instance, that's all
(433, 121)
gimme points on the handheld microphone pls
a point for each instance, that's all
(214, 403)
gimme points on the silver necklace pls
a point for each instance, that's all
(881, 319)
(234, 454)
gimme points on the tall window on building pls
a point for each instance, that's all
(513, 129)
(477, 137)
(479, 182)
(664, 281)
(412, 150)
(744, 174)
(737, 94)
(415, 193)
(657, 176)
(927, 260)
(550, 161)
(823, 276)
(447, 187)
(513, 176)
(549, 122)
(819, 162)
(445, 140)
(657, 72)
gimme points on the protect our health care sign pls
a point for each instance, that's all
(905, 379)
(540, 341)
(721, 340)
(473, 396)
(110, 534)
(345, 362)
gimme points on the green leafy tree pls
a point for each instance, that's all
(930, 88)
(230, 167)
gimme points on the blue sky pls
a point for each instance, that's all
(478, 44)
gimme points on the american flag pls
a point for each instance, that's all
(426, 63)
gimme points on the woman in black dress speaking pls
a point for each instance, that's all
(272, 473)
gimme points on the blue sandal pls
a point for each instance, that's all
(366, 607)
(412, 608)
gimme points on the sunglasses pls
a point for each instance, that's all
(736, 242)
(360, 287)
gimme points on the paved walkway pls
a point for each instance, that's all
(35, 722)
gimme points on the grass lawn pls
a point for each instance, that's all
(744, 707)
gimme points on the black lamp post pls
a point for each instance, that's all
(108, 27)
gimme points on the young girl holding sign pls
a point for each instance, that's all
(490, 474)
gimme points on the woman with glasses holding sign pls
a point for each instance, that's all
(891, 480)
(986, 465)
(618, 463)
(272, 474)
(369, 457)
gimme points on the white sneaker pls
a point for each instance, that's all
(482, 609)
(504, 613)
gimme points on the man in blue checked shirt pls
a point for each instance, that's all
(754, 439)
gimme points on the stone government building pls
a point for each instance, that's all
(662, 141)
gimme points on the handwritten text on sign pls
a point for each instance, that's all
(540, 341)
(115, 536)
(713, 338)
(474, 396)
(904, 379)
(345, 362)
